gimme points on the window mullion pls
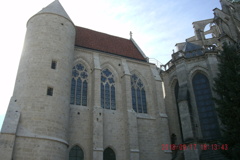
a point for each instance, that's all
(110, 97)
(81, 93)
(136, 98)
(75, 90)
(141, 100)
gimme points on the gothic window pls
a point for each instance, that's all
(139, 102)
(76, 153)
(108, 100)
(205, 106)
(79, 85)
(109, 154)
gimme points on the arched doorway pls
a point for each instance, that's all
(109, 154)
(76, 153)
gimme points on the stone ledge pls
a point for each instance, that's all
(45, 138)
(163, 115)
(98, 149)
(135, 150)
(145, 116)
(168, 151)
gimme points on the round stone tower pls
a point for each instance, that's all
(42, 88)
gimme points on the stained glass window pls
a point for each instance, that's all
(108, 100)
(79, 85)
(76, 153)
(205, 105)
(139, 102)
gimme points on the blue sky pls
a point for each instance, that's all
(157, 25)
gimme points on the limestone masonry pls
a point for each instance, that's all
(82, 94)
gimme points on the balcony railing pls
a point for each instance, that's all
(187, 55)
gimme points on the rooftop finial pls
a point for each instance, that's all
(131, 34)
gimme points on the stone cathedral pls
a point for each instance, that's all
(86, 95)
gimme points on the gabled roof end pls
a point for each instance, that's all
(139, 49)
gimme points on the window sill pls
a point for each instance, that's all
(145, 116)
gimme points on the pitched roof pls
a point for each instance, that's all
(107, 43)
(191, 47)
(192, 50)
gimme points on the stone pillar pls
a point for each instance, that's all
(97, 111)
(185, 118)
(161, 116)
(9, 129)
(184, 110)
(131, 126)
(212, 64)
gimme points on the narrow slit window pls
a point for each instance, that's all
(49, 91)
(54, 64)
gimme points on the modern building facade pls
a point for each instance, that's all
(83, 94)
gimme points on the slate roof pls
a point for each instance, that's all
(191, 47)
(192, 50)
(56, 8)
(90, 39)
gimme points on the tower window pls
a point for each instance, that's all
(79, 85)
(49, 91)
(54, 64)
(139, 102)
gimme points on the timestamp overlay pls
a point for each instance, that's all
(194, 146)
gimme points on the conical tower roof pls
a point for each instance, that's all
(55, 8)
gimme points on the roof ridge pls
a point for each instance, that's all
(103, 33)
(100, 41)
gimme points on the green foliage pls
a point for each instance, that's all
(227, 86)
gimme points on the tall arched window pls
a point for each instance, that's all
(139, 102)
(79, 85)
(109, 154)
(76, 153)
(205, 106)
(108, 100)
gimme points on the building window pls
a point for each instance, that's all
(206, 108)
(54, 65)
(79, 85)
(109, 154)
(108, 100)
(76, 153)
(49, 91)
(139, 102)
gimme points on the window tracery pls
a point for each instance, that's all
(79, 85)
(139, 103)
(108, 100)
